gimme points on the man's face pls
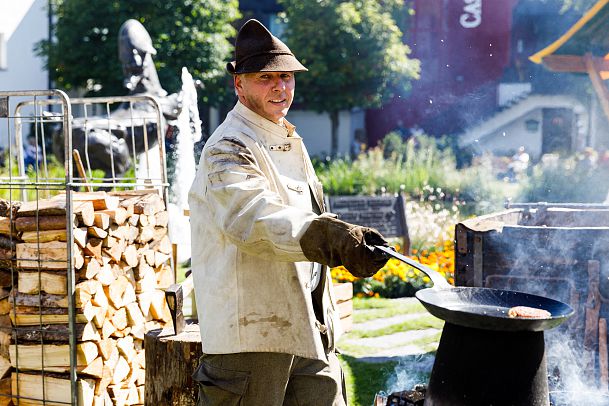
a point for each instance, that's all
(269, 94)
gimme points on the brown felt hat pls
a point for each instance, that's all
(257, 50)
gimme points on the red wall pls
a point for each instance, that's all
(463, 46)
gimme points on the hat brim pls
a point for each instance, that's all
(267, 63)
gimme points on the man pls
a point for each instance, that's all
(267, 314)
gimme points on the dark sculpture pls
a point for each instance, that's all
(107, 142)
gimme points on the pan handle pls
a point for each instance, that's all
(438, 280)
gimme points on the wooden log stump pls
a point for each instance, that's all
(170, 362)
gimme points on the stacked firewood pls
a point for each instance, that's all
(120, 257)
(8, 242)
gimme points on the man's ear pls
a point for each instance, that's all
(238, 83)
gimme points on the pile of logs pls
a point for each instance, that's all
(120, 258)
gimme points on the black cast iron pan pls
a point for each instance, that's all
(482, 308)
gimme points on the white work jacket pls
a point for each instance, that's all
(250, 203)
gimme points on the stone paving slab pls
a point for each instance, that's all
(391, 347)
(377, 324)
(391, 341)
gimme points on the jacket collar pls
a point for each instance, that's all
(288, 131)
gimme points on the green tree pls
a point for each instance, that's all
(354, 52)
(191, 33)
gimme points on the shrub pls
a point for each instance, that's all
(567, 180)
(393, 167)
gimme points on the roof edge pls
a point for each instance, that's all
(538, 57)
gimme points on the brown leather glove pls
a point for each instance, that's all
(333, 242)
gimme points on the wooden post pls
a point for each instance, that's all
(404, 224)
(170, 362)
(597, 83)
(603, 361)
(593, 306)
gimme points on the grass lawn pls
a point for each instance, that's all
(375, 308)
(365, 379)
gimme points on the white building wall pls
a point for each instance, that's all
(316, 130)
(23, 23)
(515, 134)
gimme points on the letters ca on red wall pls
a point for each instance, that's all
(461, 43)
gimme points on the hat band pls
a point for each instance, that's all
(242, 61)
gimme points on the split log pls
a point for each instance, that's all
(163, 245)
(170, 362)
(121, 370)
(149, 204)
(49, 282)
(108, 329)
(90, 268)
(102, 220)
(94, 368)
(94, 247)
(116, 251)
(44, 236)
(119, 320)
(102, 384)
(134, 219)
(105, 275)
(164, 277)
(48, 255)
(53, 357)
(116, 289)
(106, 346)
(162, 218)
(118, 215)
(57, 207)
(43, 319)
(5, 367)
(100, 200)
(6, 392)
(110, 241)
(160, 259)
(145, 234)
(85, 290)
(57, 390)
(97, 232)
(80, 236)
(130, 255)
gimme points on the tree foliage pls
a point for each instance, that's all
(354, 51)
(191, 33)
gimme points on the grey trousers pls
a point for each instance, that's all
(269, 379)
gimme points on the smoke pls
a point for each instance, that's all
(558, 253)
(410, 371)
